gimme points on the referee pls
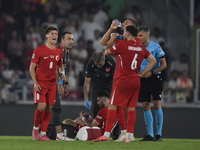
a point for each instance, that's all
(98, 77)
(151, 85)
(66, 43)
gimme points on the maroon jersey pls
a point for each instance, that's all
(47, 61)
(131, 55)
(117, 67)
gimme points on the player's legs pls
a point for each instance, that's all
(41, 100)
(45, 119)
(56, 111)
(131, 117)
(145, 98)
(50, 100)
(156, 93)
(111, 118)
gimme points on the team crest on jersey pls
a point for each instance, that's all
(33, 56)
(57, 58)
(107, 69)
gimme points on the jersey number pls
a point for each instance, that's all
(134, 62)
(51, 65)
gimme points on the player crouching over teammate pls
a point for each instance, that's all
(127, 87)
(99, 121)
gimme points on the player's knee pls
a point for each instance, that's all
(157, 105)
(41, 107)
(146, 106)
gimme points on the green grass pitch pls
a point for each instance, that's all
(26, 143)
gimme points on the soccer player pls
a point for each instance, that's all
(151, 85)
(99, 121)
(105, 41)
(45, 58)
(66, 44)
(126, 90)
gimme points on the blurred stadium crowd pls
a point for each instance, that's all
(22, 25)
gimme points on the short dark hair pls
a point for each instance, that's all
(98, 56)
(64, 33)
(144, 29)
(133, 22)
(50, 28)
(103, 94)
(132, 30)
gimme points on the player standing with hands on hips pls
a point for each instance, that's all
(151, 85)
(62, 88)
(45, 58)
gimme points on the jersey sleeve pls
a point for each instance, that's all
(88, 70)
(159, 52)
(101, 115)
(116, 48)
(36, 56)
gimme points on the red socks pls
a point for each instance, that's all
(111, 118)
(37, 117)
(45, 120)
(131, 117)
(120, 117)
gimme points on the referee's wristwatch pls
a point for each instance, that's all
(152, 72)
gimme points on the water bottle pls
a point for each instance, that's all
(118, 23)
(65, 132)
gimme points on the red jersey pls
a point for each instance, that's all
(101, 118)
(131, 55)
(47, 61)
(117, 67)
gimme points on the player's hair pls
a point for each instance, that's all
(50, 28)
(64, 33)
(103, 94)
(144, 29)
(132, 30)
(133, 22)
(98, 56)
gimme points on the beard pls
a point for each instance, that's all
(102, 105)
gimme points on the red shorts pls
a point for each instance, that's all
(47, 94)
(125, 92)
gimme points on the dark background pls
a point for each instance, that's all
(178, 122)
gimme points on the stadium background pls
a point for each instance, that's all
(22, 24)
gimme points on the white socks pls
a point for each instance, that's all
(106, 134)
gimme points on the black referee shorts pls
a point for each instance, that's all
(151, 86)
